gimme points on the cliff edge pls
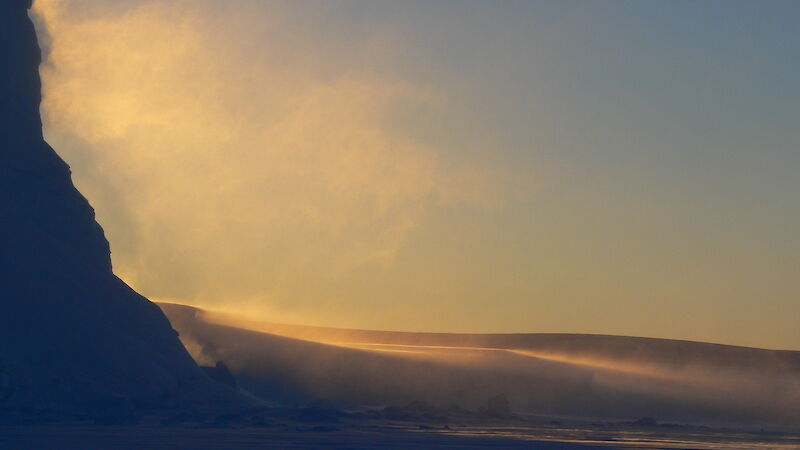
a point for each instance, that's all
(74, 338)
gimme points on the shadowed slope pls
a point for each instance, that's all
(74, 339)
(608, 377)
(576, 346)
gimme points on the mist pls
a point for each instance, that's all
(242, 159)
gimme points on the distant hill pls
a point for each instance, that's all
(75, 341)
(589, 376)
(633, 349)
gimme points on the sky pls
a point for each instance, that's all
(612, 167)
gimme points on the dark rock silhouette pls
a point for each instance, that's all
(221, 374)
(74, 338)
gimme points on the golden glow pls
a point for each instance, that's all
(236, 177)
(334, 164)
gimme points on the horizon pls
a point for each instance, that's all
(613, 168)
(236, 319)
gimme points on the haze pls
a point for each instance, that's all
(591, 167)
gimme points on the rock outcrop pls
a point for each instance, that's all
(74, 338)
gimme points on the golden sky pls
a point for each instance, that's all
(440, 167)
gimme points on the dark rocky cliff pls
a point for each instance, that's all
(74, 339)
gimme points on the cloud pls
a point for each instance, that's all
(236, 151)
